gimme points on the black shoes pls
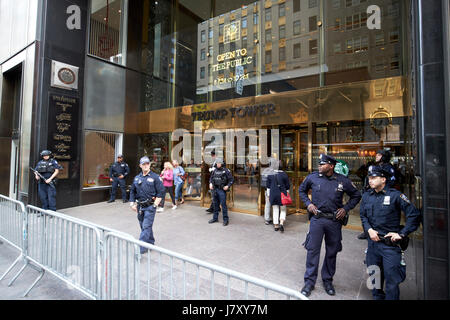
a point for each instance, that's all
(124, 201)
(329, 289)
(281, 228)
(306, 291)
(362, 236)
(267, 222)
(110, 201)
(210, 210)
(213, 221)
(225, 223)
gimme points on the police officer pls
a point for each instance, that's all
(380, 213)
(220, 182)
(49, 169)
(146, 193)
(117, 173)
(382, 159)
(211, 169)
(327, 215)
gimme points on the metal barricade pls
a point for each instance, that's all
(163, 274)
(66, 247)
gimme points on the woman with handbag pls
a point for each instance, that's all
(278, 188)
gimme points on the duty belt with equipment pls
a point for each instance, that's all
(145, 203)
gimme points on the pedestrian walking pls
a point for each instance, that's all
(380, 213)
(146, 193)
(178, 179)
(269, 171)
(45, 172)
(278, 183)
(327, 214)
(117, 174)
(167, 176)
(220, 183)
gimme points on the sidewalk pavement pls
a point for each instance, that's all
(246, 245)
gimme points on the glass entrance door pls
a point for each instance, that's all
(294, 161)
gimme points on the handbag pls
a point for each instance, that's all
(286, 200)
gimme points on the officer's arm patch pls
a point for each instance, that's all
(405, 198)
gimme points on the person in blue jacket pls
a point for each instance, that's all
(327, 214)
(380, 213)
(49, 169)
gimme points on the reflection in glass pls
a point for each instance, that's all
(108, 30)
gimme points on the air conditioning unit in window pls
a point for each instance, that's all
(64, 76)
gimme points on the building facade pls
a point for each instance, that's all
(176, 79)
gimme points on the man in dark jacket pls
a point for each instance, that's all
(117, 174)
(326, 213)
(220, 182)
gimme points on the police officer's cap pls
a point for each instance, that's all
(219, 160)
(46, 153)
(324, 159)
(144, 160)
(377, 171)
(120, 155)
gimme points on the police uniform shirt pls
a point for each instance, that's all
(47, 168)
(381, 211)
(146, 187)
(119, 168)
(224, 175)
(328, 192)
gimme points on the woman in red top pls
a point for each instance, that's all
(167, 177)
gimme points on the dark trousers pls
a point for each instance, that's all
(220, 199)
(47, 194)
(318, 229)
(388, 259)
(146, 219)
(118, 182)
(170, 191)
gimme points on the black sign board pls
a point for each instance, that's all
(63, 126)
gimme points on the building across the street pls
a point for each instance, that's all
(177, 79)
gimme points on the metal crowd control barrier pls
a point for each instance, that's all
(106, 264)
(131, 275)
(12, 227)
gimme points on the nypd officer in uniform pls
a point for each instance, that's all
(382, 159)
(220, 182)
(117, 173)
(327, 214)
(380, 213)
(146, 193)
(49, 169)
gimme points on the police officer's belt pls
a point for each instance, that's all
(325, 215)
(116, 175)
(403, 243)
(145, 203)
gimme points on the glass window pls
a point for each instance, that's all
(281, 10)
(100, 152)
(269, 35)
(108, 30)
(268, 56)
(297, 27)
(210, 33)
(313, 47)
(202, 72)
(393, 36)
(297, 51)
(203, 54)
(268, 14)
(282, 32)
(255, 18)
(356, 20)
(282, 54)
(203, 36)
(244, 23)
(379, 39)
(313, 23)
(337, 48)
(312, 4)
(297, 5)
(244, 42)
